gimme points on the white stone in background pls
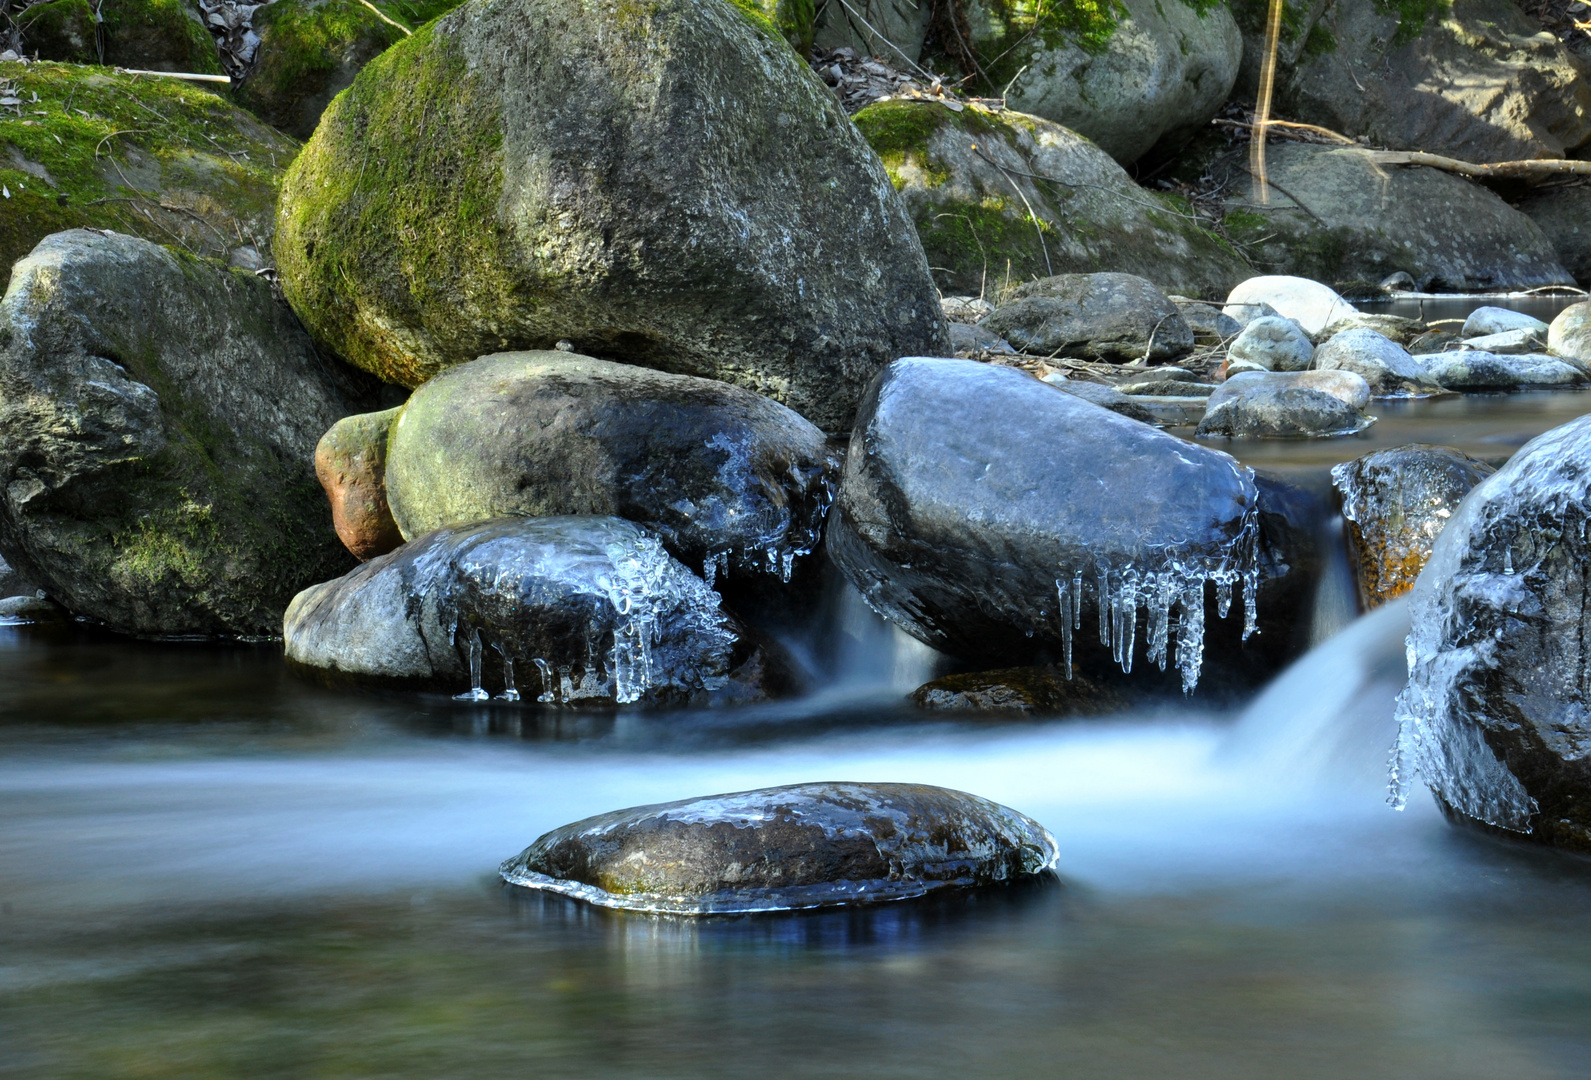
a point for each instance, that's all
(1523, 340)
(1273, 343)
(1309, 303)
(1497, 320)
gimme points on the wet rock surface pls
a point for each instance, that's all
(1335, 214)
(560, 610)
(1107, 397)
(1345, 385)
(726, 478)
(1384, 364)
(1495, 718)
(158, 422)
(1486, 320)
(1010, 529)
(1395, 503)
(975, 180)
(801, 846)
(1569, 335)
(351, 464)
(1095, 316)
(1026, 691)
(742, 229)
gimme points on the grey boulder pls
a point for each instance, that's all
(1096, 316)
(669, 186)
(1156, 81)
(1274, 344)
(1392, 327)
(1494, 717)
(158, 422)
(1310, 304)
(1384, 364)
(778, 849)
(1107, 397)
(563, 609)
(724, 477)
(1337, 214)
(1471, 369)
(1210, 325)
(1488, 319)
(1524, 340)
(1263, 409)
(1346, 386)
(993, 535)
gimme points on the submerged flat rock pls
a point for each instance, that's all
(777, 849)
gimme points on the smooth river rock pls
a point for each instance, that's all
(724, 477)
(1569, 335)
(990, 537)
(1488, 319)
(1395, 504)
(1097, 316)
(1473, 369)
(1381, 362)
(1262, 409)
(1274, 344)
(783, 848)
(1495, 717)
(561, 609)
(158, 422)
(668, 185)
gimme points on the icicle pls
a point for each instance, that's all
(510, 691)
(1102, 603)
(1223, 597)
(475, 692)
(787, 566)
(547, 696)
(1067, 613)
(1190, 635)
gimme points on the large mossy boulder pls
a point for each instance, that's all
(149, 35)
(1478, 80)
(801, 846)
(1002, 197)
(310, 51)
(158, 420)
(666, 185)
(1335, 215)
(990, 516)
(726, 478)
(1496, 716)
(561, 609)
(203, 175)
(1128, 75)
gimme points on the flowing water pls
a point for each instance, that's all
(211, 868)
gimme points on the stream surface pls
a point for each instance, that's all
(212, 868)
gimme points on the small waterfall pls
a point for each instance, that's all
(1330, 715)
(873, 653)
(1336, 595)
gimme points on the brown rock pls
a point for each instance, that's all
(1395, 503)
(351, 462)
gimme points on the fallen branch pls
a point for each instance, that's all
(1503, 170)
(188, 75)
(383, 17)
(1335, 136)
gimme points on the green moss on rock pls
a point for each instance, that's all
(1000, 198)
(158, 35)
(59, 30)
(792, 20)
(311, 50)
(156, 158)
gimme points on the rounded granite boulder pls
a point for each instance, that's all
(663, 183)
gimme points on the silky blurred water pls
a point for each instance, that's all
(210, 868)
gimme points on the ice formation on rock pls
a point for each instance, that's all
(1496, 716)
(594, 606)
